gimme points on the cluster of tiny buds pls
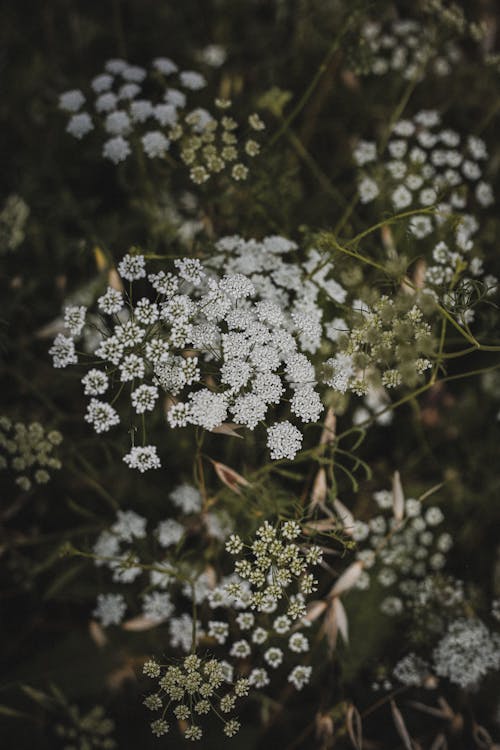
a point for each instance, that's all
(27, 451)
(274, 563)
(194, 686)
(206, 145)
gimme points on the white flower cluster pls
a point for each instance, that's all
(467, 652)
(298, 288)
(115, 550)
(27, 450)
(277, 563)
(400, 554)
(216, 351)
(119, 106)
(425, 165)
(385, 348)
(159, 118)
(407, 47)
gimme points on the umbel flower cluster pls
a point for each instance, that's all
(150, 110)
(405, 47)
(423, 165)
(117, 549)
(389, 345)
(27, 451)
(400, 553)
(90, 731)
(464, 655)
(203, 341)
(299, 287)
(273, 570)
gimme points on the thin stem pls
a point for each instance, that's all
(312, 86)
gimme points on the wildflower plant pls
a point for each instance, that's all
(206, 343)
(149, 111)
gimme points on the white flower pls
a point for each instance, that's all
(192, 80)
(117, 123)
(240, 649)
(110, 609)
(155, 144)
(169, 532)
(258, 678)
(467, 652)
(187, 498)
(101, 416)
(144, 398)
(106, 102)
(283, 440)
(368, 190)
(79, 125)
(132, 267)
(116, 149)
(339, 372)
(157, 606)
(298, 643)
(74, 319)
(132, 367)
(141, 110)
(63, 352)
(306, 404)
(71, 101)
(133, 73)
(273, 656)
(300, 676)
(364, 153)
(129, 525)
(102, 83)
(207, 409)
(165, 65)
(142, 458)
(95, 383)
(111, 302)
(401, 198)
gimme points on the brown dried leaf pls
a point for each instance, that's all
(324, 727)
(440, 742)
(101, 260)
(116, 679)
(50, 330)
(347, 579)
(329, 427)
(324, 524)
(401, 726)
(345, 516)
(342, 621)
(330, 628)
(140, 623)
(114, 280)
(314, 610)
(97, 634)
(398, 498)
(482, 737)
(230, 477)
(228, 428)
(388, 240)
(319, 489)
(354, 726)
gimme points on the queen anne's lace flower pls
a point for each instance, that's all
(170, 344)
